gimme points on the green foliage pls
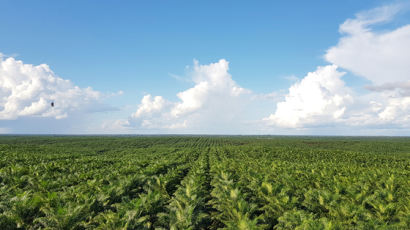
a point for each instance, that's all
(193, 182)
(187, 209)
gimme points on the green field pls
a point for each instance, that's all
(204, 182)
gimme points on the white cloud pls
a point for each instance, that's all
(396, 111)
(149, 106)
(27, 91)
(114, 126)
(213, 83)
(323, 99)
(214, 102)
(375, 110)
(319, 97)
(381, 57)
(365, 19)
(181, 125)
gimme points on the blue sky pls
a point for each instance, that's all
(128, 51)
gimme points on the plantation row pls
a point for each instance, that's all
(189, 182)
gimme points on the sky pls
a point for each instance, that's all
(205, 67)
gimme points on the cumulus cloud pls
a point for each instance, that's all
(323, 99)
(215, 100)
(213, 83)
(396, 111)
(375, 110)
(319, 97)
(379, 56)
(27, 90)
(149, 106)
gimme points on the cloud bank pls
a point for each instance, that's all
(382, 57)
